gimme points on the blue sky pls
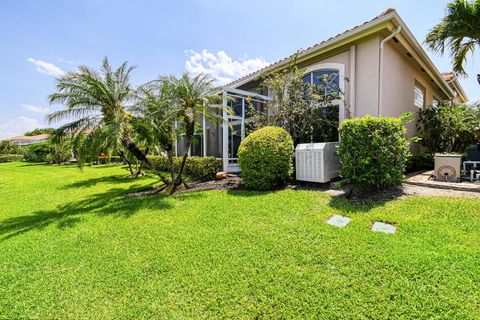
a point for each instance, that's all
(41, 39)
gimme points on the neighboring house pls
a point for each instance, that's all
(379, 66)
(28, 140)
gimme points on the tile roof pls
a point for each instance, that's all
(448, 76)
(32, 138)
(386, 12)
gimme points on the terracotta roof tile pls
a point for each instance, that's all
(448, 76)
(386, 12)
(37, 137)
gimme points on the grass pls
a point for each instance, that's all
(71, 246)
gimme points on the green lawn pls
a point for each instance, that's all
(72, 247)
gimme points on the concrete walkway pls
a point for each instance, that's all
(424, 179)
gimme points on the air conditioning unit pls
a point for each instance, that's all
(447, 167)
(317, 162)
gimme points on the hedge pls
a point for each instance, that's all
(11, 157)
(38, 152)
(203, 168)
(421, 161)
(373, 152)
(109, 159)
(265, 158)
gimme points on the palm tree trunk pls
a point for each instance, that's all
(188, 137)
(135, 150)
(139, 155)
(178, 180)
(126, 161)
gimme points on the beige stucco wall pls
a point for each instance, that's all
(399, 76)
(366, 77)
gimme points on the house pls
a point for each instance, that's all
(28, 140)
(379, 66)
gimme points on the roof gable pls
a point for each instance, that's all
(387, 18)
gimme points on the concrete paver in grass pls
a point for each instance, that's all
(338, 221)
(384, 227)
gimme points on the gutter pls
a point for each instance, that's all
(460, 90)
(380, 67)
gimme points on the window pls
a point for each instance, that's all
(435, 102)
(326, 84)
(328, 80)
(419, 95)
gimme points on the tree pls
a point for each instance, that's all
(7, 147)
(306, 111)
(175, 105)
(38, 131)
(449, 128)
(459, 31)
(98, 103)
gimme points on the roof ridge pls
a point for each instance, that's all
(381, 15)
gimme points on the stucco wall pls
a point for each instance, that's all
(366, 78)
(399, 76)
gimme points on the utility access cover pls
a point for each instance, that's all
(338, 221)
(384, 227)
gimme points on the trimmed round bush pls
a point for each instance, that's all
(373, 152)
(265, 158)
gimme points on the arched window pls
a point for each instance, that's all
(327, 79)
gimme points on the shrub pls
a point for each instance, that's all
(109, 159)
(265, 158)
(421, 161)
(203, 168)
(449, 128)
(11, 157)
(38, 152)
(59, 153)
(48, 152)
(301, 108)
(7, 147)
(373, 152)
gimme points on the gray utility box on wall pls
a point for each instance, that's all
(317, 162)
(447, 167)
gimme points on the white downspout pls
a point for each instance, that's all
(380, 71)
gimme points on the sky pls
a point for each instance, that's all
(41, 40)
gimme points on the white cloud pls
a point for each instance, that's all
(72, 62)
(47, 67)
(18, 126)
(36, 109)
(221, 66)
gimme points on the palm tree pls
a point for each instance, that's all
(184, 101)
(459, 31)
(155, 122)
(97, 103)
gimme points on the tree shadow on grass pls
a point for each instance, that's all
(33, 164)
(109, 203)
(362, 205)
(105, 179)
(245, 193)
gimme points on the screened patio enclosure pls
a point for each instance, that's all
(233, 127)
(222, 139)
